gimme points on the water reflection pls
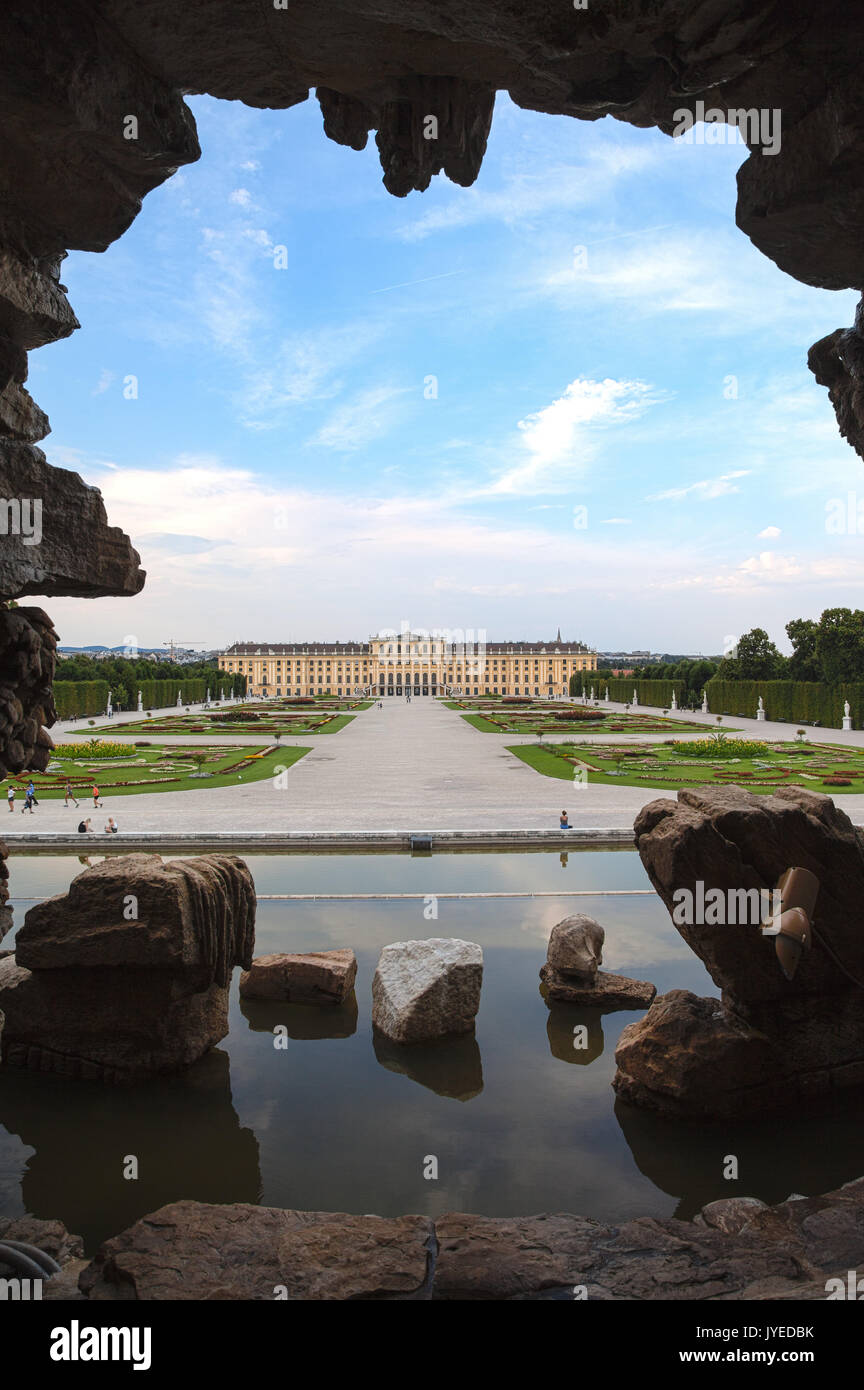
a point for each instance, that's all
(302, 1022)
(183, 1130)
(451, 1067)
(777, 1154)
(345, 1128)
(575, 1034)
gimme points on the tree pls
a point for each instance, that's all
(803, 663)
(757, 660)
(839, 645)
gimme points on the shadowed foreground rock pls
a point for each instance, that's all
(735, 1249)
(769, 1041)
(95, 992)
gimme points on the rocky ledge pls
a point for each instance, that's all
(769, 1041)
(126, 975)
(736, 1248)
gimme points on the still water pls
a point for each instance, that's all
(519, 1120)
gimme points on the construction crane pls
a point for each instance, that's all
(176, 642)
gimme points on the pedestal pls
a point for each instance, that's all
(760, 714)
(847, 721)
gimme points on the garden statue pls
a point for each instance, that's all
(760, 709)
(847, 715)
(140, 703)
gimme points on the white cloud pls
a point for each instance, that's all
(241, 196)
(528, 194)
(706, 490)
(769, 534)
(365, 417)
(105, 379)
(558, 439)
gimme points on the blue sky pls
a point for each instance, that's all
(573, 394)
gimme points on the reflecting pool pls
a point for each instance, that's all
(519, 1119)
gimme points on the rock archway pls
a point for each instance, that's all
(93, 118)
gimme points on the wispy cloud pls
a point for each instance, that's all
(558, 441)
(706, 490)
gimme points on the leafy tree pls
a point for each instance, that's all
(803, 663)
(839, 645)
(757, 659)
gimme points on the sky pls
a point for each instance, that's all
(573, 395)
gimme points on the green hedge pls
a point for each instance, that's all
(84, 698)
(650, 692)
(80, 698)
(789, 701)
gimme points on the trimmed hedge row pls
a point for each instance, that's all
(792, 701)
(651, 692)
(80, 697)
(91, 697)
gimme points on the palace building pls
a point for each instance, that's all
(417, 663)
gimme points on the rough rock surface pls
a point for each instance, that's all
(78, 553)
(769, 1041)
(576, 947)
(94, 992)
(313, 977)
(427, 989)
(248, 1252)
(28, 647)
(735, 1249)
(606, 991)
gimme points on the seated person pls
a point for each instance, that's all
(564, 823)
(112, 827)
(84, 827)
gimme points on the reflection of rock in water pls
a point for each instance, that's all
(302, 1021)
(183, 1130)
(561, 1027)
(451, 1066)
(810, 1153)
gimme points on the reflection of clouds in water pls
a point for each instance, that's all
(639, 931)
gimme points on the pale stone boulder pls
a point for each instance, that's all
(576, 947)
(426, 989)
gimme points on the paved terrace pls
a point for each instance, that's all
(407, 768)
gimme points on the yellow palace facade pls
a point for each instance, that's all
(415, 663)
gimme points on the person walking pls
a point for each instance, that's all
(96, 795)
(28, 802)
(10, 797)
(31, 792)
(68, 794)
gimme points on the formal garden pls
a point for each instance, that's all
(123, 769)
(271, 718)
(510, 715)
(711, 761)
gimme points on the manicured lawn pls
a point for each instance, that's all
(659, 766)
(499, 719)
(157, 769)
(265, 721)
